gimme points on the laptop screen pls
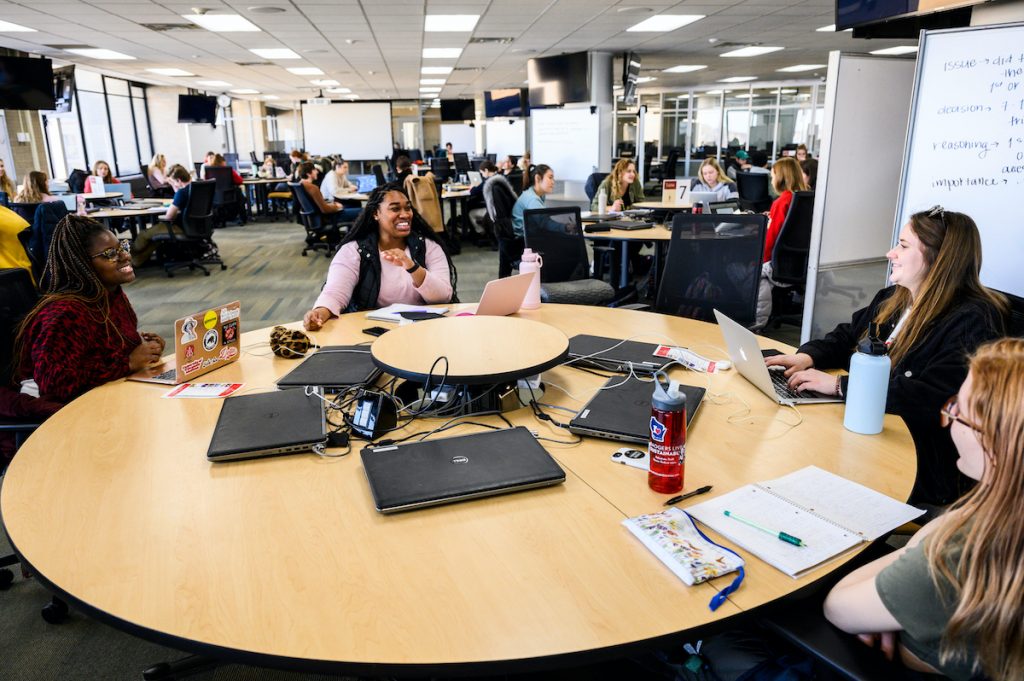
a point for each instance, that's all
(367, 183)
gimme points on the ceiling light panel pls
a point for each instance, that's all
(213, 83)
(170, 72)
(442, 52)
(432, 81)
(223, 23)
(305, 71)
(799, 68)
(98, 53)
(751, 51)
(665, 22)
(8, 27)
(436, 70)
(275, 53)
(685, 68)
(437, 23)
(737, 79)
(245, 91)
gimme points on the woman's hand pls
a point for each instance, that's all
(793, 363)
(616, 206)
(397, 257)
(146, 353)
(814, 380)
(315, 318)
(146, 336)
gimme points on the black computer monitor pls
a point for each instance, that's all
(461, 162)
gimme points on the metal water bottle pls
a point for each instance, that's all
(531, 262)
(602, 202)
(667, 446)
(868, 388)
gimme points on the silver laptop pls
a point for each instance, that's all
(475, 177)
(745, 353)
(705, 199)
(502, 297)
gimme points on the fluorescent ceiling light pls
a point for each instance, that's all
(901, 49)
(8, 27)
(245, 91)
(665, 22)
(339, 90)
(786, 91)
(737, 79)
(213, 83)
(714, 92)
(305, 71)
(746, 96)
(436, 104)
(442, 52)
(275, 53)
(685, 68)
(271, 97)
(436, 70)
(430, 89)
(646, 79)
(223, 23)
(801, 67)
(170, 72)
(435, 23)
(751, 51)
(427, 95)
(432, 81)
(97, 53)
(325, 82)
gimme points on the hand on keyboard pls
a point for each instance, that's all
(812, 380)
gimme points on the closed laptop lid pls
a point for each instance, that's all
(615, 353)
(265, 423)
(456, 468)
(623, 407)
(333, 366)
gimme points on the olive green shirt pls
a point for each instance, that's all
(635, 192)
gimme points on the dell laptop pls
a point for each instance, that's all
(334, 368)
(269, 424)
(614, 354)
(745, 353)
(203, 342)
(621, 410)
(432, 472)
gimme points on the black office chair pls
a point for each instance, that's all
(593, 183)
(76, 181)
(461, 160)
(5, 200)
(44, 222)
(557, 234)
(378, 172)
(1015, 320)
(322, 231)
(441, 168)
(713, 262)
(789, 261)
(227, 197)
(753, 191)
(196, 247)
(500, 198)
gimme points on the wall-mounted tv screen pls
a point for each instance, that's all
(513, 102)
(559, 80)
(26, 84)
(630, 74)
(854, 13)
(197, 109)
(63, 88)
(457, 110)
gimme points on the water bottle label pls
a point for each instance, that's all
(658, 430)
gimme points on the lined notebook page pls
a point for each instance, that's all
(844, 502)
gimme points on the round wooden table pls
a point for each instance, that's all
(284, 561)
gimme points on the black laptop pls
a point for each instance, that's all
(627, 225)
(408, 476)
(614, 354)
(268, 424)
(333, 368)
(624, 412)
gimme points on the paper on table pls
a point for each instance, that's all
(390, 313)
(204, 390)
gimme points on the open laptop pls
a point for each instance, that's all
(268, 424)
(366, 183)
(502, 297)
(704, 199)
(475, 178)
(333, 368)
(203, 342)
(614, 354)
(729, 207)
(432, 472)
(745, 353)
(623, 412)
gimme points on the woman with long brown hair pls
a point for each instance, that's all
(936, 313)
(35, 189)
(622, 187)
(787, 177)
(952, 600)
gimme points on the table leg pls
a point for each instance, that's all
(624, 265)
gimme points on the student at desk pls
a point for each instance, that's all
(952, 600)
(180, 181)
(337, 182)
(712, 179)
(100, 169)
(936, 313)
(389, 256)
(621, 188)
(35, 189)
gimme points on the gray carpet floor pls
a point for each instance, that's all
(276, 285)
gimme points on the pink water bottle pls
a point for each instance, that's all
(667, 446)
(531, 262)
(81, 205)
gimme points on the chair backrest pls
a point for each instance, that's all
(76, 181)
(134, 185)
(425, 198)
(197, 218)
(593, 182)
(789, 256)
(668, 169)
(500, 199)
(44, 222)
(27, 211)
(224, 191)
(461, 160)
(17, 297)
(5, 200)
(1015, 320)
(557, 234)
(714, 262)
(752, 187)
(378, 172)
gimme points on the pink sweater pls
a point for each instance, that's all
(395, 283)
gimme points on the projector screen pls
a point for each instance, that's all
(359, 131)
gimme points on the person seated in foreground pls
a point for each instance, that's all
(934, 315)
(83, 332)
(952, 601)
(389, 256)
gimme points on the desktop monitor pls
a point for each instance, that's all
(457, 110)
(26, 84)
(461, 162)
(197, 109)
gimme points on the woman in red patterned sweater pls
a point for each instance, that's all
(83, 332)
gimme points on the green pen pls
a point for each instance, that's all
(788, 538)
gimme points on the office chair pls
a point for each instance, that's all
(753, 191)
(593, 183)
(557, 234)
(196, 247)
(44, 222)
(76, 181)
(461, 162)
(713, 262)
(227, 197)
(789, 261)
(441, 169)
(1015, 320)
(378, 172)
(500, 198)
(5, 200)
(322, 231)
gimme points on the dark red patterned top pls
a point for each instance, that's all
(69, 348)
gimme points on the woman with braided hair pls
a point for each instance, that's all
(83, 332)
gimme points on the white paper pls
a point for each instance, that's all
(203, 390)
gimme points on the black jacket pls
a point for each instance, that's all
(367, 288)
(921, 383)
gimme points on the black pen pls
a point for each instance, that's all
(676, 500)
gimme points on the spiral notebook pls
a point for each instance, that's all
(828, 512)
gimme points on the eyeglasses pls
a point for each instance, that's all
(939, 212)
(112, 253)
(951, 412)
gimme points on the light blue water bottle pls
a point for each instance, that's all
(868, 387)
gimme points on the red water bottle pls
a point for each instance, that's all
(667, 446)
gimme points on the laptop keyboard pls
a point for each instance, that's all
(783, 390)
(165, 376)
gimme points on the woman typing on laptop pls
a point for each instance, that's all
(83, 331)
(389, 256)
(936, 313)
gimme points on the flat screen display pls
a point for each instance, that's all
(510, 103)
(558, 80)
(457, 110)
(197, 109)
(853, 13)
(630, 74)
(63, 88)
(26, 84)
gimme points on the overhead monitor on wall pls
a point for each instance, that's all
(562, 79)
(457, 110)
(509, 103)
(63, 88)
(197, 109)
(630, 76)
(857, 13)
(359, 131)
(26, 84)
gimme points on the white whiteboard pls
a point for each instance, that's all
(568, 140)
(462, 137)
(359, 131)
(965, 149)
(504, 139)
